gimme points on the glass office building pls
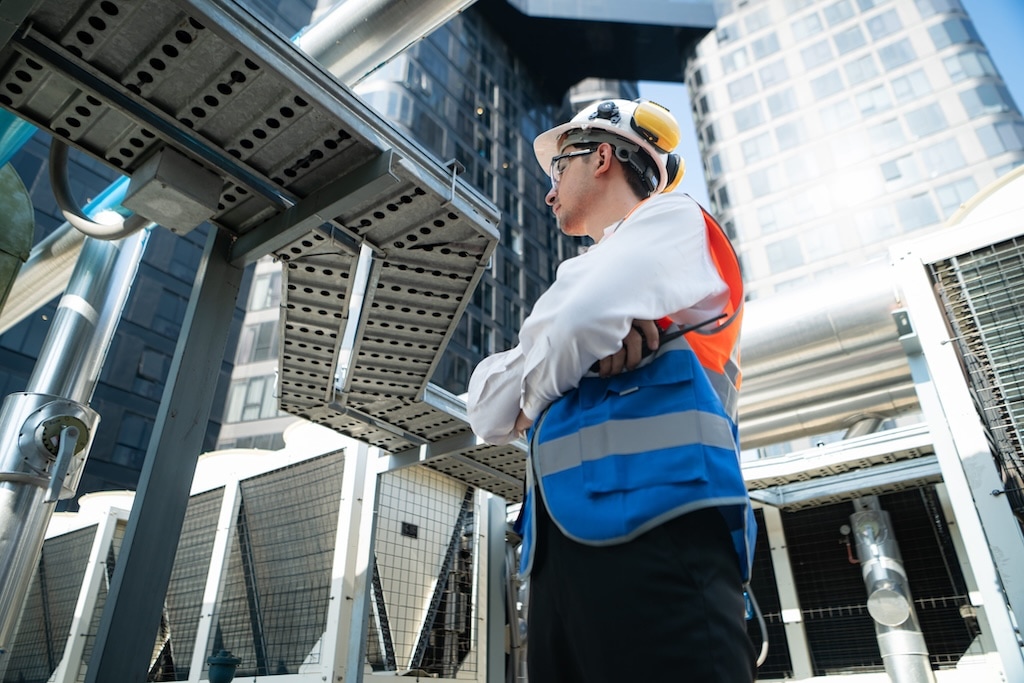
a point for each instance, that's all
(831, 129)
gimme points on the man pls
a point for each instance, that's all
(638, 532)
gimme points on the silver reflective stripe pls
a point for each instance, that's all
(726, 391)
(629, 437)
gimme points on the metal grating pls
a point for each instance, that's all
(184, 601)
(833, 599)
(277, 588)
(982, 293)
(309, 173)
(50, 607)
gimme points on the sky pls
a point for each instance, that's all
(1000, 23)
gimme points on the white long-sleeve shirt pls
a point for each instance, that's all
(655, 263)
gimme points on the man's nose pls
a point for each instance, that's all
(549, 198)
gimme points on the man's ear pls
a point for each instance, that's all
(605, 157)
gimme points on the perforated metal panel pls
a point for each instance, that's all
(309, 173)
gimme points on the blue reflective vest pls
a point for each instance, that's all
(620, 455)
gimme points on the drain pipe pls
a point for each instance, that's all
(47, 430)
(890, 604)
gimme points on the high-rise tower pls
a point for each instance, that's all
(831, 129)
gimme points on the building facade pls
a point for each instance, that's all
(831, 129)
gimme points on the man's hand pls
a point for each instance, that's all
(629, 356)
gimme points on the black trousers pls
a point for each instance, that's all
(667, 606)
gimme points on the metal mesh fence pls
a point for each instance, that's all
(763, 584)
(423, 598)
(833, 598)
(983, 296)
(184, 601)
(274, 606)
(50, 607)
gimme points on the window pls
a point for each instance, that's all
(735, 60)
(758, 19)
(942, 157)
(790, 134)
(865, 5)
(926, 120)
(777, 216)
(784, 255)
(817, 54)
(838, 115)
(741, 88)
(757, 148)
(826, 84)
(821, 244)
(266, 291)
(952, 195)
(886, 136)
(766, 181)
(911, 87)
(713, 166)
(794, 6)
(251, 399)
(929, 7)
(773, 73)
(748, 116)
(781, 102)
(969, 64)
(873, 101)
(953, 31)
(884, 24)
(838, 12)
(849, 39)
(1001, 137)
(762, 47)
(876, 225)
(985, 99)
(897, 54)
(900, 172)
(805, 27)
(726, 33)
(861, 69)
(258, 342)
(916, 212)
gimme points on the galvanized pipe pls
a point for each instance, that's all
(58, 392)
(890, 604)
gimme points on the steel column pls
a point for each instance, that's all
(135, 602)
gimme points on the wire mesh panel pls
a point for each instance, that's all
(274, 606)
(833, 597)
(50, 607)
(423, 602)
(765, 589)
(184, 600)
(983, 296)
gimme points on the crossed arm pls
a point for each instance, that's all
(626, 358)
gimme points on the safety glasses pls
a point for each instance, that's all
(559, 163)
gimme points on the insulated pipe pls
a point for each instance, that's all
(359, 36)
(890, 604)
(816, 357)
(54, 407)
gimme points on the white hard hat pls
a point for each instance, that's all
(628, 126)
